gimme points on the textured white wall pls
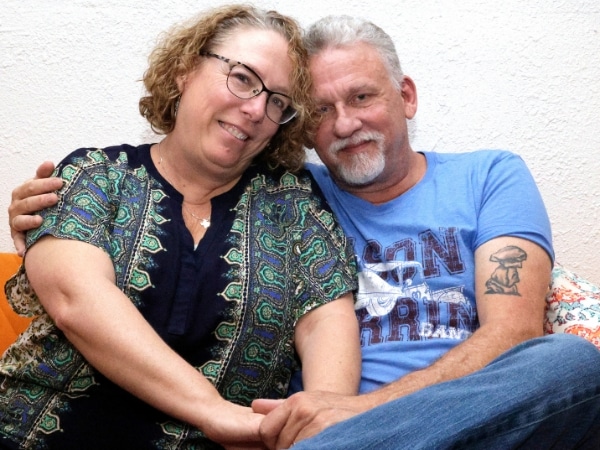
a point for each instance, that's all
(512, 74)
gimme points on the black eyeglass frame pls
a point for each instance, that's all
(264, 88)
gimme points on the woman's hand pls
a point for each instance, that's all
(33, 195)
(235, 427)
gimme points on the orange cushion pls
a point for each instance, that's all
(11, 324)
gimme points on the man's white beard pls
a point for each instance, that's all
(361, 168)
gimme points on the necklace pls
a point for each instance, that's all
(203, 221)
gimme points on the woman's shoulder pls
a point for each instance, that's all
(298, 190)
(105, 155)
(122, 158)
(262, 177)
(105, 167)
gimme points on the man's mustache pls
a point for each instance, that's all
(359, 138)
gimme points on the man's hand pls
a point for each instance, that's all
(303, 415)
(33, 195)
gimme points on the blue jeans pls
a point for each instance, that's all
(542, 394)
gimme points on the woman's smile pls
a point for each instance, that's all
(234, 131)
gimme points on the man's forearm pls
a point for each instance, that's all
(485, 345)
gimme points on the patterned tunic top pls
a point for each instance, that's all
(229, 306)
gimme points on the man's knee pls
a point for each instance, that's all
(571, 352)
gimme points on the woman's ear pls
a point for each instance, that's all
(181, 82)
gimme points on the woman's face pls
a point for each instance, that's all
(218, 130)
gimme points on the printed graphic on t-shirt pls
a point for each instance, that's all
(396, 303)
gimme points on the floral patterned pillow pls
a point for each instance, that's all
(573, 306)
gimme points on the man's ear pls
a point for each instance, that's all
(409, 94)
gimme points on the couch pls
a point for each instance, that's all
(573, 305)
(11, 324)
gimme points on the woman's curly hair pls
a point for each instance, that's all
(177, 54)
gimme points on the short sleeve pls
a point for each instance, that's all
(300, 253)
(511, 204)
(85, 209)
(325, 266)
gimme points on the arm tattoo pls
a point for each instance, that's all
(505, 277)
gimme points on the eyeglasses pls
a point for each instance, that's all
(243, 82)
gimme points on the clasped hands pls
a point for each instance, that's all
(284, 423)
(302, 415)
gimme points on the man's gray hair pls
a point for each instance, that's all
(345, 31)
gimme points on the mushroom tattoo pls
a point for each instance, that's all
(505, 278)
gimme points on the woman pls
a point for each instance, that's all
(174, 281)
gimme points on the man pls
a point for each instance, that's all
(455, 260)
(455, 257)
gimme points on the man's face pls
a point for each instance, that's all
(363, 115)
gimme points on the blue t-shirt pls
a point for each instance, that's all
(415, 254)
